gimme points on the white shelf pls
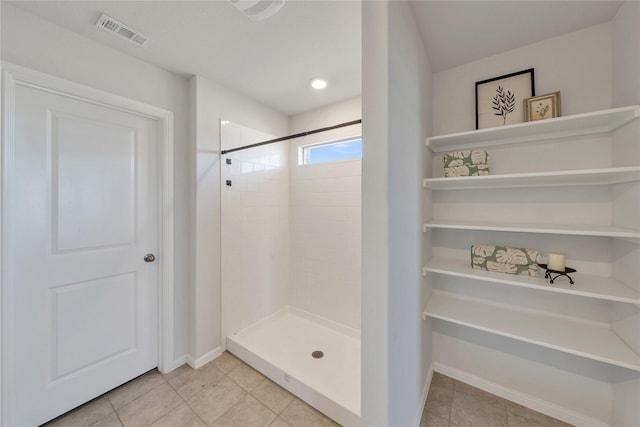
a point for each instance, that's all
(565, 229)
(537, 179)
(559, 333)
(604, 288)
(576, 125)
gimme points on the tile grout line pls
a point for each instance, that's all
(278, 414)
(506, 411)
(185, 400)
(249, 392)
(289, 404)
(285, 408)
(144, 394)
(213, 384)
(197, 415)
(113, 408)
(262, 381)
(281, 420)
(234, 405)
(132, 400)
(193, 410)
(453, 395)
(174, 390)
(169, 410)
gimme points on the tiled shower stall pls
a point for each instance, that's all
(291, 263)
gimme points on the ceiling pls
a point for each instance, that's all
(458, 32)
(272, 61)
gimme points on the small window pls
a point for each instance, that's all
(331, 152)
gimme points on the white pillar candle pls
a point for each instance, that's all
(556, 262)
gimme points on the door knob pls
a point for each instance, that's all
(149, 258)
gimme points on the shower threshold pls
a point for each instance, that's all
(314, 358)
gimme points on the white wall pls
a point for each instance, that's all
(409, 111)
(375, 175)
(255, 228)
(626, 91)
(209, 103)
(325, 268)
(577, 64)
(396, 96)
(595, 68)
(626, 55)
(32, 42)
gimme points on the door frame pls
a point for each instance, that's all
(15, 75)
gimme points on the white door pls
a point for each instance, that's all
(83, 303)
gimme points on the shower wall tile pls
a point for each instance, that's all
(290, 233)
(255, 231)
(325, 276)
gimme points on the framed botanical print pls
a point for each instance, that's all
(500, 100)
(542, 107)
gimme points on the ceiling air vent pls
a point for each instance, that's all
(116, 27)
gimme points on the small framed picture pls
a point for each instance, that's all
(499, 100)
(542, 107)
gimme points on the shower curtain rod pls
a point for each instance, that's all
(297, 135)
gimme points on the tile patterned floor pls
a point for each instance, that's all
(229, 393)
(223, 393)
(451, 403)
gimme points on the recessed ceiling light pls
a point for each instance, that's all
(318, 83)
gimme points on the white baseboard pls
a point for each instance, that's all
(176, 363)
(205, 358)
(423, 396)
(531, 402)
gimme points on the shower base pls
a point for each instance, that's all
(315, 359)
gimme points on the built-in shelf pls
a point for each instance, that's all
(586, 339)
(561, 127)
(463, 302)
(598, 287)
(566, 229)
(537, 179)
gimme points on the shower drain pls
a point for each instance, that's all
(317, 354)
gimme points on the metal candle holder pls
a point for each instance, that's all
(548, 273)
